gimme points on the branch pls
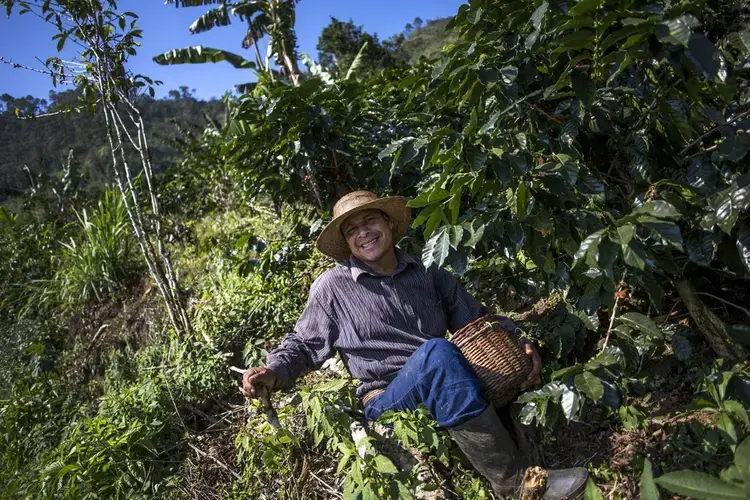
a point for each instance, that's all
(717, 127)
(746, 311)
(614, 313)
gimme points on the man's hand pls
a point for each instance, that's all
(254, 379)
(536, 368)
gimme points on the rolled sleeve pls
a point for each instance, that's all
(311, 344)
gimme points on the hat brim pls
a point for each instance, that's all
(331, 241)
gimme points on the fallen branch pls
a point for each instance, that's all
(216, 460)
(327, 486)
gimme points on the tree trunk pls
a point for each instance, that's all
(709, 324)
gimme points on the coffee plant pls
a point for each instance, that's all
(582, 166)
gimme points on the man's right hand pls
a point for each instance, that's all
(254, 379)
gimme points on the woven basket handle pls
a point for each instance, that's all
(482, 331)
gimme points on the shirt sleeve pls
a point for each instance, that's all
(461, 307)
(309, 346)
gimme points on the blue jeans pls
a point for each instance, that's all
(437, 375)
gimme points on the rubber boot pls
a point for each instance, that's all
(491, 450)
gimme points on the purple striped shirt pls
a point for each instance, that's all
(375, 321)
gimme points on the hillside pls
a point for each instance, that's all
(427, 41)
(43, 144)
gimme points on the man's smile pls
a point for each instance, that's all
(369, 244)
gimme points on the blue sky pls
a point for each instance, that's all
(25, 38)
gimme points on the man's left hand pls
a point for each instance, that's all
(534, 377)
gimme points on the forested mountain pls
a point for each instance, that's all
(426, 40)
(43, 143)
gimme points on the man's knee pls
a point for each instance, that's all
(440, 349)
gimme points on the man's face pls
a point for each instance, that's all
(369, 234)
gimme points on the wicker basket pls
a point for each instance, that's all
(496, 356)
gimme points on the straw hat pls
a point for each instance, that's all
(331, 241)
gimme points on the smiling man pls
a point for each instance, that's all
(387, 315)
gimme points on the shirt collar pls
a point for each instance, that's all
(358, 268)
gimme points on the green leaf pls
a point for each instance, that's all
(592, 491)
(642, 323)
(476, 234)
(550, 390)
(701, 247)
(647, 485)
(732, 475)
(742, 459)
(200, 54)
(707, 60)
(632, 418)
(394, 146)
(570, 402)
(731, 203)
(435, 219)
(589, 246)
(538, 16)
(667, 230)
(699, 485)
(330, 386)
(612, 355)
(583, 87)
(509, 74)
(589, 384)
(674, 31)
(437, 248)
(356, 472)
(743, 246)
(457, 234)
(727, 428)
(737, 410)
(523, 197)
(659, 209)
(734, 148)
(634, 255)
(626, 234)
(584, 7)
(564, 373)
(343, 462)
(384, 465)
(214, 17)
(429, 196)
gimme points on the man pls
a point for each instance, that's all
(387, 315)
